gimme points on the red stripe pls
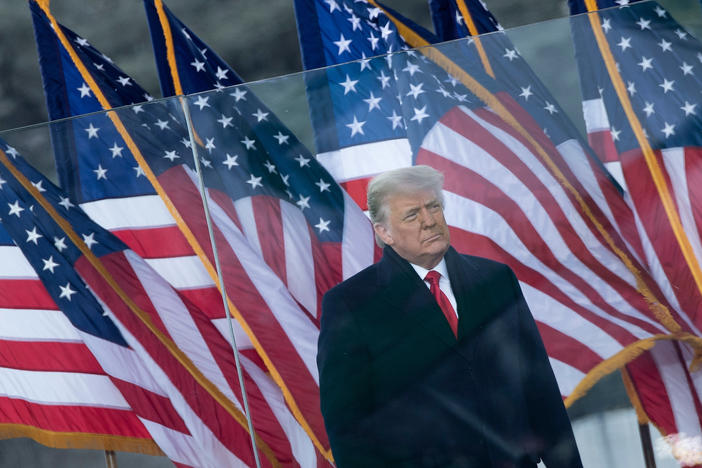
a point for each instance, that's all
(690, 384)
(693, 173)
(212, 414)
(25, 294)
(486, 247)
(158, 242)
(357, 189)
(328, 270)
(567, 349)
(660, 232)
(269, 225)
(151, 406)
(251, 305)
(484, 193)
(603, 145)
(48, 356)
(223, 200)
(69, 418)
(652, 393)
(208, 300)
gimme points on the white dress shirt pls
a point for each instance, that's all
(444, 282)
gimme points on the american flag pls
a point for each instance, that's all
(53, 389)
(133, 323)
(639, 85)
(97, 160)
(520, 185)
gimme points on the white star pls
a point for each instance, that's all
(625, 43)
(82, 41)
(2, 182)
(420, 114)
(322, 225)
(332, 5)
(205, 162)
(356, 126)
(231, 161)
(162, 124)
(323, 186)
(260, 115)
(365, 62)
(667, 85)
(15, 209)
(106, 58)
(302, 160)
(284, 178)
(282, 139)
(668, 130)
(11, 151)
(124, 81)
(373, 41)
(33, 235)
(60, 244)
(686, 69)
(171, 155)
(355, 22)
(526, 92)
(550, 108)
(137, 109)
(395, 119)
(645, 63)
(443, 91)
(373, 102)
(385, 80)
(343, 45)
(65, 202)
(225, 121)
(680, 33)
(349, 85)
(648, 109)
(254, 182)
(49, 264)
(510, 54)
(92, 131)
(186, 143)
(89, 239)
(411, 68)
(201, 102)
(631, 87)
(688, 108)
(644, 23)
(303, 202)
(116, 150)
(100, 172)
(606, 26)
(249, 143)
(615, 133)
(664, 45)
(385, 30)
(199, 66)
(415, 90)
(221, 73)
(66, 291)
(238, 94)
(84, 90)
(37, 185)
(270, 166)
(99, 66)
(660, 11)
(209, 144)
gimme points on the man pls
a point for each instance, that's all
(442, 372)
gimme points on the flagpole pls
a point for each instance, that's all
(110, 459)
(647, 446)
(220, 278)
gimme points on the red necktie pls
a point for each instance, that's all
(442, 299)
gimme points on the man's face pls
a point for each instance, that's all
(416, 228)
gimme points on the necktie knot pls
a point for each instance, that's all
(444, 304)
(433, 276)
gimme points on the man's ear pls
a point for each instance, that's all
(383, 233)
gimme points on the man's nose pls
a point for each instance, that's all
(428, 218)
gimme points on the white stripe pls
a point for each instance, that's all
(473, 217)
(145, 211)
(245, 212)
(61, 388)
(595, 115)
(568, 377)
(549, 311)
(444, 141)
(178, 447)
(300, 330)
(299, 261)
(615, 168)
(358, 243)
(36, 325)
(302, 447)
(242, 338)
(674, 160)
(368, 159)
(186, 272)
(14, 265)
(676, 386)
(179, 323)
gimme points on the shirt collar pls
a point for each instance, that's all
(441, 268)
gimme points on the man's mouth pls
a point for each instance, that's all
(432, 238)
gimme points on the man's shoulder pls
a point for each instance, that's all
(363, 280)
(481, 264)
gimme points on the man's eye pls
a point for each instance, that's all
(410, 217)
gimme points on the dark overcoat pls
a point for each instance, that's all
(398, 389)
